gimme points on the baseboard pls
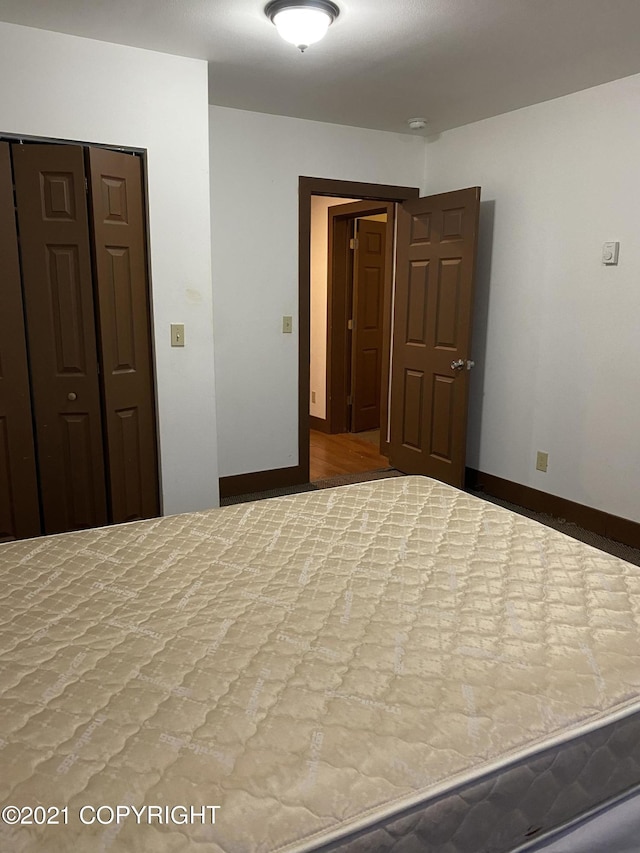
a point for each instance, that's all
(613, 527)
(321, 424)
(261, 481)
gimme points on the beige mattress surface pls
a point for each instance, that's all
(307, 664)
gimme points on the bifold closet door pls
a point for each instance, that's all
(60, 321)
(125, 337)
(19, 510)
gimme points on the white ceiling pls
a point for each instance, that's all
(383, 61)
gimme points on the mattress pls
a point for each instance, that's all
(393, 666)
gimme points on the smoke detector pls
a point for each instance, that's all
(417, 123)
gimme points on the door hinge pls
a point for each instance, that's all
(350, 325)
(353, 243)
(86, 185)
(349, 400)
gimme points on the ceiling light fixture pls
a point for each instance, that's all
(302, 22)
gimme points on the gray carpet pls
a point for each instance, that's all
(364, 477)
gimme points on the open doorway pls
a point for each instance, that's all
(346, 256)
(350, 285)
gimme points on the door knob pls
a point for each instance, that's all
(457, 365)
(72, 396)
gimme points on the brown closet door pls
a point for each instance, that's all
(56, 271)
(19, 512)
(124, 327)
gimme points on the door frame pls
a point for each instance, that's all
(339, 278)
(307, 187)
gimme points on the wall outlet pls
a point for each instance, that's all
(287, 325)
(313, 396)
(542, 461)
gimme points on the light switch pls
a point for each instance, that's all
(287, 325)
(177, 334)
(610, 253)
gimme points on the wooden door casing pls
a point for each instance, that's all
(118, 228)
(307, 187)
(60, 321)
(368, 308)
(19, 509)
(436, 255)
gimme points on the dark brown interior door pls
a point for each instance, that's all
(436, 255)
(56, 271)
(368, 303)
(19, 511)
(123, 298)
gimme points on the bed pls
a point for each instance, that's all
(392, 666)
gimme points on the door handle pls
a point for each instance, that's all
(460, 363)
(72, 396)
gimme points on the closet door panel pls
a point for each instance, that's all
(19, 510)
(125, 337)
(58, 293)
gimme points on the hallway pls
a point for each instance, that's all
(346, 453)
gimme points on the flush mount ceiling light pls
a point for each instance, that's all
(303, 22)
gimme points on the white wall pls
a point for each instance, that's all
(319, 274)
(557, 333)
(65, 87)
(256, 160)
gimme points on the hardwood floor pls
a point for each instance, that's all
(346, 453)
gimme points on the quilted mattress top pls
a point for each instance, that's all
(307, 665)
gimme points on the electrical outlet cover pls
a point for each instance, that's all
(542, 461)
